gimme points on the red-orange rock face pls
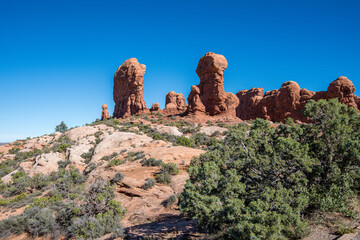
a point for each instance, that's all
(128, 89)
(289, 100)
(175, 103)
(210, 93)
(155, 107)
(104, 113)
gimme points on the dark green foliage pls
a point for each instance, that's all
(259, 182)
(151, 162)
(61, 127)
(184, 141)
(38, 181)
(170, 201)
(107, 158)
(118, 177)
(87, 156)
(149, 183)
(163, 177)
(171, 168)
(91, 218)
(133, 156)
(63, 143)
(115, 162)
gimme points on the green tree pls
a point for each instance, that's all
(61, 127)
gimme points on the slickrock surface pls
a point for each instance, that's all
(128, 89)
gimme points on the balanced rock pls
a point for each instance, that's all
(155, 107)
(105, 112)
(175, 103)
(210, 92)
(128, 89)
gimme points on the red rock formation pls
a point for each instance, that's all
(155, 107)
(128, 89)
(175, 103)
(210, 93)
(104, 113)
(289, 100)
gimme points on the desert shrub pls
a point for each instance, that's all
(163, 177)
(109, 157)
(94, 216)
(115, 162)
(61, 127)
(170, 201)
(171, 168)
(133, 156)
(20, 184)
(149, 183)
(87, 156)
(118, 177)
(62, 144)
(38, 181)
(150, 162)
(184, 141)
(7, 167)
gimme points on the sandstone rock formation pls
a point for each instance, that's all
(209, 96)
(128, 89)
(175, 103)
(155, 107)
(105, 112)
(289, 100)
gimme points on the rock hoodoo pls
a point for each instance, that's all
(128, 89)
(289, 100)
(210, 93)
(155, 107)
(104, 113)
(175, 103)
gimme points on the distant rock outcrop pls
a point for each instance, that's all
(128, 89)
(289, 100)
(175, 103)
(155, 107)
(209, 96)
(104, 113)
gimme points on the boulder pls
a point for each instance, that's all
(128, 89)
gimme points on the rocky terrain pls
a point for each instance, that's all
(145, 153)
(209, 99)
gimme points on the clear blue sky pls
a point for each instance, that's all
(57, 58)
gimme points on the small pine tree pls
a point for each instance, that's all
(61, 127)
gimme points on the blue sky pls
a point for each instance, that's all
(57, 58)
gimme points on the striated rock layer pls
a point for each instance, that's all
(128, 89)
(209, 96)
(289, 100)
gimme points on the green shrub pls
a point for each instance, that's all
(61, 127)
(163, 177)
(170, 201)
(184, 141)
(115, 162)
(149, 183)
(171, 168)
(38, 181)
(259, 182)
(151, 162)
(118, 177)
